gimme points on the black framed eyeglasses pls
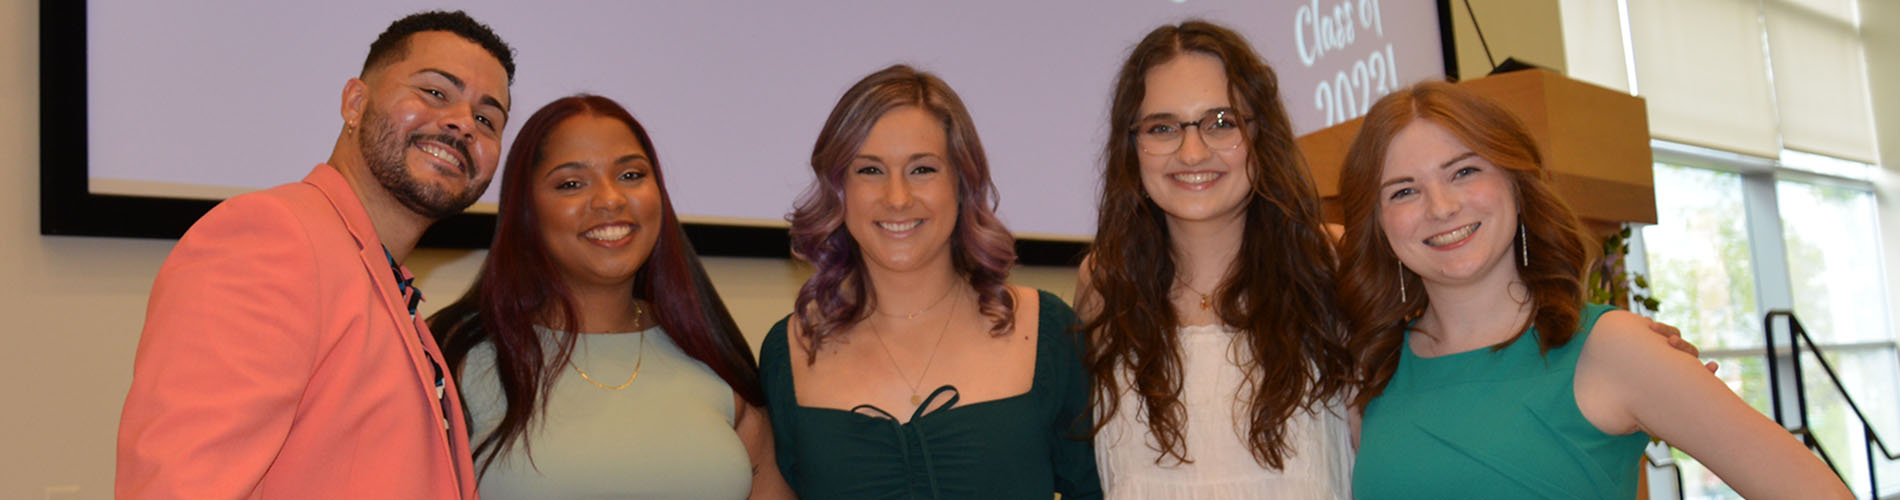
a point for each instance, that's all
(1220, 131)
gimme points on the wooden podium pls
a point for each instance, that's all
(1594, 140)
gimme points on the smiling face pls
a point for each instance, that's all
(900, 195)
(432, 122)
(596, 200)
(1450, 215)
(1195, 182)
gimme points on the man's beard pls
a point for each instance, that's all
(383, 151)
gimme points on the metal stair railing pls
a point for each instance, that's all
(1797, 335)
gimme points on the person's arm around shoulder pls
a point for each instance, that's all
(1628, 378)
(228, 347)
(755, 430)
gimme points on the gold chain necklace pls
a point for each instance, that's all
(916, 397)
(637, 312)
(933, 305)
(1206, 303)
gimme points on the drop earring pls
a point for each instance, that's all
(1523, 246)
(1401, 283)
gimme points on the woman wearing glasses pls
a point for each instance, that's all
(910, 368)
(1208, 294)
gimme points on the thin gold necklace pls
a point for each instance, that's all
(642, 357)
(916, 396)
(933, 305)
(1206, 304)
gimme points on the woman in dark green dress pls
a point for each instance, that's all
(910, 367)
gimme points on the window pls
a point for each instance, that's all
(1833, 261)
(1701, 259)
(1835, 275)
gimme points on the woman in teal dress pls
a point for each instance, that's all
(593, 338)
(1485, 375)
(910, 368)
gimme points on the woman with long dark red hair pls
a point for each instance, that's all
(594, 355)
(1484, 373)
(910, 368)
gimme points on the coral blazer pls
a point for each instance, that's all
(280, 361)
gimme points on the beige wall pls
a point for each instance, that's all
(74, 305)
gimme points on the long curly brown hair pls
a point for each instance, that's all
(1369, 283)
(982, 250)
(1279, 292)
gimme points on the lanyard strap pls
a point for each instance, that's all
(406, 286)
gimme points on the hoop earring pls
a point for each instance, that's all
(1523, 246)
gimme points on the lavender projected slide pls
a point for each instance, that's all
(210, 98)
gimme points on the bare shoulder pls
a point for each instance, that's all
(1624, 336)
(1028, 305)
(1082, 271)
(1088, 300)
(1631, 361)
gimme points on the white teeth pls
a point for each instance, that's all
(1196, 177)
(609, 233)
(444, 154)
(1451, 237)
(898, 227)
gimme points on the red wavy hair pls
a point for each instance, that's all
(1369, 283)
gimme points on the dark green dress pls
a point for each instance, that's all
(1484, 424)
(1026, 446)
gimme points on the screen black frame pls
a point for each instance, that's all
(68, 207)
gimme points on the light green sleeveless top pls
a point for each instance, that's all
(1484, 424)
(667, 435)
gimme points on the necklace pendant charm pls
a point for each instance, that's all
(1204, 304)
(916, 399)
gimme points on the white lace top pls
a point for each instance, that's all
(1223, 467)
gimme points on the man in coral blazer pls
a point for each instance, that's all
(282, 356)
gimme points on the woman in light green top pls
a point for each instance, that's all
(595, 358)
(1484, 373)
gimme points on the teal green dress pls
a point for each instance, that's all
(1026, 446)
(1484, 424)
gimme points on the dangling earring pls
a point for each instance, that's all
(1401, 283)
(1524, 246)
